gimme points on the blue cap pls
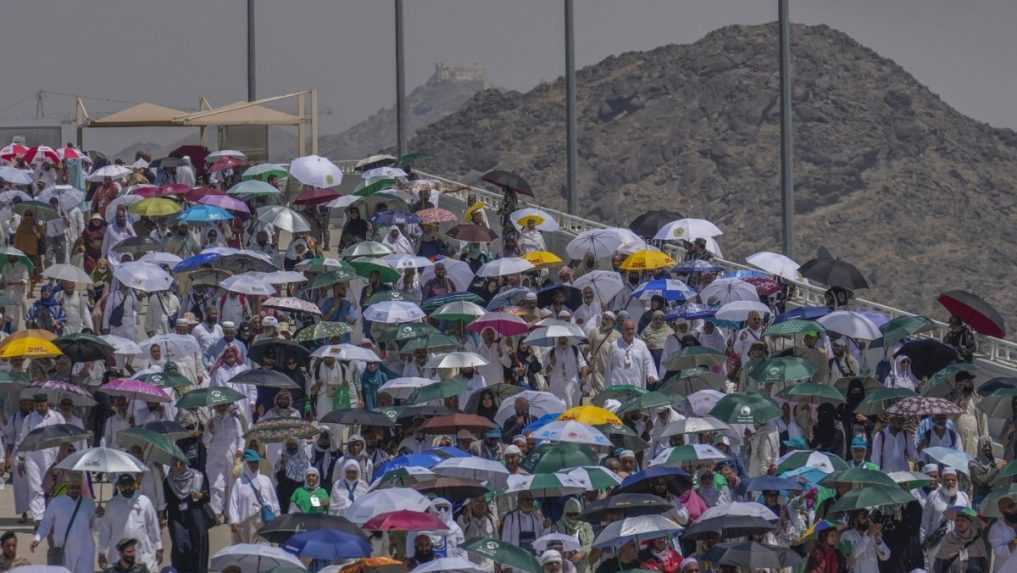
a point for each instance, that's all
(859, 443)
(797, 443)
(251, 456)
(493, 433)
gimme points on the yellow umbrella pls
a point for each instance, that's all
(646, 260)
(590, 415)
(28, 333)
(155, 207)
(542, 258)
(30, 348)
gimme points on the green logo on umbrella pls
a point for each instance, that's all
(329, 179)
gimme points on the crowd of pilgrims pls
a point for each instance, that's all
(228, 479)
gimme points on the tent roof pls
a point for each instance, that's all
(140, 115)
(238, 113)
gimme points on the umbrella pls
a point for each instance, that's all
(949, 457)
(322, 265)
(687, 230)
(543, 485)
(928, 356)
(474, 468)
(782, 369)
(902, 327)
(171, 429)
(401, 262)
(857, 476)
(812, 393)
(458, 564)
(648, 401)
(41, 211)
(205, 214)
(370, 565)
(723, 291)
(827, 462)
(367, 267)
(283, 218)
(989, 506)
(330, 278)
(690, 453)
(728, 526)
(596, 243)
(135, 390)
(739, 310)
(549, 334)
(283, 527)
(102, 460)
(749, 408)
(471, 233)
(41, 153)
(57, 390)
(541, 403)
(879, 400)
(673, 290)
(208, 397)
(361, 417)
(871, 497)
(647, 224)
(63, 272)
(793, 327)
(692, 357)
(170, 377)
(122, 346)
(690, 381)
(29, 347)
(775, 264)
(22, 258)
(639, 528)
(851, 324)
(431, 343)
(507, 181)
(253, 558)
(458, 271)
(173, 344)
(456, 360)
(627, 504)
(833, 273)
(283, 350)
(158, 448)
(435, 215)
(590, 415)
(605, 284)
(620, 392)
(974, 311)
(459, 311)
(405, 520)
(8, 197)
(346, 352)
(924, 406)
(407, 468)
(83, 347)
(316, 171)
(542, 220)
(451, 488)
(267, 377)
(393, 312)
(53, 436)
(503, 553)
(646, 260)
(910, 480)
(281, 429)
(693, 425)
(999, 404)
(503, 323)
(571, 296)
(772, 483)
(553, 457)
(291, 304)
(997, 383)
(505, 267)
(573, 433)
(595, 478)
(111, 171)
(16, 176)
(160, 258)
(385, 501)
(265, 171)
(751, 556)
(542, 258)
(252, 188)
(145, 277)
(155, 207)
(224, 203)
(451, 424)
(642, 481)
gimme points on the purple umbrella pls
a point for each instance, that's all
(135, 390)
(225, 202)
(59, 390)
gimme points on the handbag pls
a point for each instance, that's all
(266, 513)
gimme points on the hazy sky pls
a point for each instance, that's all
(172, 52)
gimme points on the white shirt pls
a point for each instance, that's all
(111, 432)
(243, 502)
(630, 363)
(588, 314)
(345, 493)
(76, 311)
(75, 537)
(566, 364)
(935, 508)
(765, 449)
(223, 440)
(1000, 536)
(185, 175)
(207, 336)
(865, 552)
(744, 340)
(893, 456)
(222, 375)
(134, 517)
(114, 235)
(497, 357)
(44, 458)
(161, 306)
(473, 384)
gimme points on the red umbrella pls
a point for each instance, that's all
(315, 196)
(455, 422)
(11, 151)
(436, 215)
(42, 153)
(71, 153)
(405, 520)
(148, 191)
(974, 311)
(175, 189)
(503, 323)
(224, 163)
(765, 286)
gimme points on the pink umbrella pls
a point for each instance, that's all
(148, 191)
(436, 215)
(503, 323)
(224, 202)
(175, 189)
(12, 151)
(225, 163)
(42, 153)
(70, 153)
(59, 390)
(405, 520)
(135, 390)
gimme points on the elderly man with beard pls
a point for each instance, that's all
(1003, 533)
(934, 522)
(865, 544)
(566, 368)
(629, 360)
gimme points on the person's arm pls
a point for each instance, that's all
(877, 450)
(152, 529)
(272, 500)
(44, 529)
(649, 367)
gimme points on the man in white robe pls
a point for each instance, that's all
(948, 495)
(127, 298)
(566, 369)
(209, 331)
(229, 339)
(248, 494)
(129, 515)
(893, 447)
(281, 410)
(162, 306)
(495, 352)
(119, 421)
(630, 361)
(185, 172)
(474, 382)
(751, 334)
(70, 519)
(224, 372)
(118, 231)
(35, 464)
(1003, 534)
(530, 238)
(20, 480)
(14, 283)
(76, 312)
(587, 316)
(224, 442)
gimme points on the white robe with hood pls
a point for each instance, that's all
(75, 537)
(135, 517)
(399, 245)
(37, 462)
(344, 491)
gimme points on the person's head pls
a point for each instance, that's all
(810, 339)
(252, 460)
(351, 471)
(512, 456)
(858, 448)
(291, 363)
(128, 549)
(41, 404)
(422, 547)
(659, 486)
(67, 286)
(728, 472)
(860, 519)
(955, 323)
(628, 552)
(311, 478)
(522, 406)
(526, 501)
(949, 479)
(771, 498)
(374, 278)
(74, 487)
(220, 409)
(353, 213)
(629, 330)
(283, 399)
(965, 383)
(829, 537)
(211, 315)
(633, 277)
(939, 421)
(155, 352)
(1008, 509)
(261, 237)
(229, 330)
(964, 520)
(657, 319)
(588, 295)
(757, 350)
(897, 423)
(754, 320)
(607, 321)
(931, 471)
(356, 445)
(120, 217)
(126, 485)
(551, 561)
(9, 545)
(839, 348)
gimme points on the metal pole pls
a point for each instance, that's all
(570, 103)
(400, 80)
(250, 51)
(786, 174)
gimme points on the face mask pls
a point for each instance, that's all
(291, 449)
(128, 560)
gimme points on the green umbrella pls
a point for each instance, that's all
(332, 277)
(688, 453)
(690, 381)
(809, 391)
(265, 171)
(503, 553)
(365, 267)
(168, 378)
(388, 295)
(323, 265)
(647, 401)
(374, 187)
(431, 342)
(623, 437)
(857, 476)
(42, 211)
(878, 401)
(901, 327)
(9, 377)
(694, 357)
(793, 327)
(751, 408)
(19, 258)
(782, 369)
(403, 478)
(410, 331)
(989, 507)
(407, 159)
(999, 404)
(802, 458)
(82, 347)
(459, 311)
(910, 480)
(439, 391)
(1009, 470)
(207, 397)
(544, 485)
(324, 330)
(620, 392)
(942, 382)
(548, 458)
(434, 303)
(157, 447)
(599, 476)
(871, 497)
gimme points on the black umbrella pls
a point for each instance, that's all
(283, 527)
(138, 246)
(833, 272)
(52, 437)
(627, 504)
(507, 180)
(974, 311)
(361, 416)
(83, 347)
(928, 356)
(451, 488)
(647, 224)
(265, 377)
(728, 526)
(280, 349)
(998, 383)
(243, 263)
(423, 411)
(174, 430)
(751, 556)
(573, 296)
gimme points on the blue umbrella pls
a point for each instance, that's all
(810, 474)
(698, 266)
(328, 545)
(540, 422)
(205, 214)
(772, 483)
(508, 298)
(803, 313)
(447, 452)
(196, 262)
(408, 460)
(692, 311)
(671, 289)
(388, 218)
(743, 274)
(641, 482)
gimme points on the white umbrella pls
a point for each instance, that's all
(401, 262)
(248, 285)
(694, 425)
(704, 452)
(327, 263)
(283, 277)
(504, 267)
(383, 172)
(403, 388)
(547, 222)
(456, 360)
(459, 308)
(283, 218)
(143, 276)
(818, 460)
(102, 460)
(775, 264)
(211, 157)
(572, 432)
(253, 558)
(393, 312)
(549, 334)
(638, 528)
(122, 346)
(367, 249)
(15, 176)
(160, 258)
(386, 501)
(8, 197)
(457, 564)
(126, 201)
(293, 304)
(605, 284)
(343, 202)
(475, 468)
(346, 352)
(851, 324)
(599, 243)
(173, 345)
(723, 291)
(139, 163)
(64, 272)
(316, 171)
(630, 242)
(739, 509)
(584, 475)
(67, 197)
(457, 271)
(704, 400)
(687, 230)
(738, 311)
(111, 171)
(568, 542)
(541, 403)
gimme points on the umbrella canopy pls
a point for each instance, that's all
(693, 425)
(974, 311)
(135, 390)
(928, 356)
(878, 401)
(543, 485)
(782, 369)
(473, 468)
(647, 224)
(671, 289)
(283, 350)
(84, 347)
(872, 497)
(158, 448)
(949, 457)
(451, 424)
(283, 218)
(208, 397)
(924, 406)
(857, 476)
(362, 417)
(385, 501)
(451, 488)
(507, 181)
(503, 323)
(541, 220)
(751, 556)
(502, 552)
(723, 291)
(470, 233)
(155, 207)
(727, 527)
(252, 188)
(504, 267)
(646, 260)
(459, 311)
(393, 312)
(739, 310)
(283, 527)
(999, 404)
(205, 214)
(687, 230)
(292, 304)
(834, 273)
(679, 455)
(749, 408)
(57, 390)
(553, 457)
(628, 504)
(812, 393)
(456, 360)
(775, 264)
(29, 347)
(405, 520)
(253, 558)
(793, 327)
(145, 277)
(265, 171)
(573, 433)
(267, 377)
(639, 528)
(692, 357)
(53, 436)
(827, 462)
(280, 429)
(642, 481)
(102, 460)
(590, 415)
(222, 203)
(902, 327)
(316, 171)
(595, 478)
(63, 272)
(436, 215)
(541, 403)
(851, 324)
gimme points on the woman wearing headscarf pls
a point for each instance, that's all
(571, 524)
(290, 472)
(655, 335)
(29, 239)
(826, 436)
(91, 240)
(902, 376)
(296, 252)
(983, 470)
(487, 406)
(188, 518)
(120, 311)
(395, 240)
(47, 313)
(848, 417)
(355, 229)
(347, 489)
(310, 497)
(374, 376)
(445, 543)
(118, 231)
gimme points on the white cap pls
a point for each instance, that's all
(228, 324)
(564, 315)
(530, 296)
(627, 454)
(270, 321)
(949, 472)
(550, 556)
(513, 450)
(930, 468)
(612, 405)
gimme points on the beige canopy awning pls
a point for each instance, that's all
(238, 113)
(140, 115)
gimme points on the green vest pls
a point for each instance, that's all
(310, 501)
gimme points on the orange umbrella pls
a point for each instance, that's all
(375, 565)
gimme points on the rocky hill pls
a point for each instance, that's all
(888, 176)
(448, 88)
